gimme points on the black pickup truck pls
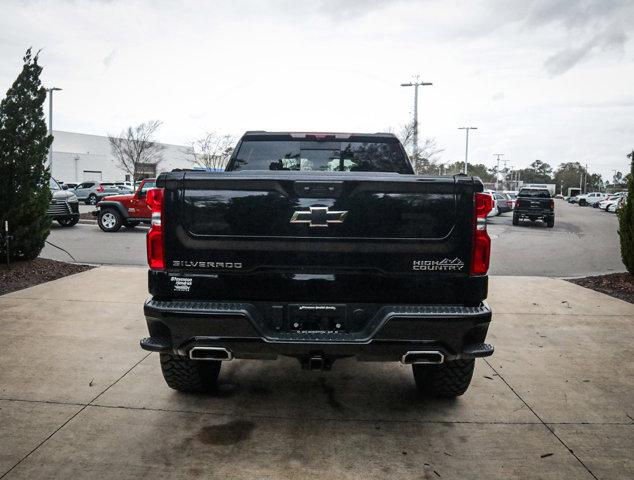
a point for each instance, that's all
(318, 247)
(534, 203)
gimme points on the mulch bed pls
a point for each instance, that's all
(619, 285)
(27, 273)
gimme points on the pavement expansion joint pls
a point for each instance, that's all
(72, 417)
(547, 426)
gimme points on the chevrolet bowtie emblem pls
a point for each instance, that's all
(318, 216)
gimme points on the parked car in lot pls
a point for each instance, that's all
(126, 184)
(503, 203)
(534, 203)
(92, 192)
(128, 209)
(591, 198)
(618, 205)
(69, 185)
(512, 195)
(64, 206)
(613, 198)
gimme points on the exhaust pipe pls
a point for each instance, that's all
(428, 357)
(210, 353)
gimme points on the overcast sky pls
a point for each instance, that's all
(541, 79)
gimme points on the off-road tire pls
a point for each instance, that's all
(516, 220)
(447, 380)
(190, 376)
(550, 222)
(68, 222)
(109, 220)
(92, 199)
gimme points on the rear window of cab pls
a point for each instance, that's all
(534, 193)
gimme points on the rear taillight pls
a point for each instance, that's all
(551, 204)
(155, 250)
(481, 242)
(100, 188)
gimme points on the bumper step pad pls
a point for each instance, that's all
(156, 344)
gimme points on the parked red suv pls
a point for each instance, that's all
(125, 210)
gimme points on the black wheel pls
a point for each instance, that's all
(92, 199)
(109, 220)
(192, 376)
(130, 224)
(447, 380)
(550, 222)
(68, 222)
(582, 202)
(516, 220)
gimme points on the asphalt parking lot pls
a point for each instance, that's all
(79, 399)
(583, 242)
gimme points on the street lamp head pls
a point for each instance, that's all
(53, 89)
(407, 84)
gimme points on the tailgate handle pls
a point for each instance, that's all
(318, 189)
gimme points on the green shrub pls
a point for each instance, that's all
(24, 177)
(626, 222)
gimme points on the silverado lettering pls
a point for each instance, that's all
(205, 264)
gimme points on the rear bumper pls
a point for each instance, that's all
(260, 330)
(527, 212)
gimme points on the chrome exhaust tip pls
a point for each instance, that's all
(426, 357)
(210, 353)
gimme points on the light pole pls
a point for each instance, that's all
(466, 150)
(416, 84)
(50, 125)
(497, 170)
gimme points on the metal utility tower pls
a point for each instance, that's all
(466, 150)
(415, 84)
(497, 170)
(50, 125)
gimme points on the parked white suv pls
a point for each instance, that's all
(591, 198)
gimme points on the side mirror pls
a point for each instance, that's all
(64, 187)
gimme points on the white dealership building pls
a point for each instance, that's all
(79, 157)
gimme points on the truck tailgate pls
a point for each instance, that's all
(335, 222)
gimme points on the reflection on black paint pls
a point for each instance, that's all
(371, 214)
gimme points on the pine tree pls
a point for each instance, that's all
(24, 177)
(626, 222)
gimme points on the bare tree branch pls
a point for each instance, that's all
(134, 150)
(429, 153)
(212, 151)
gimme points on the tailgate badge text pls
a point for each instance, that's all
(444, 265)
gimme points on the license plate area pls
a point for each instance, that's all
(317, 318)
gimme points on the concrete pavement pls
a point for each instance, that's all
(79, 399)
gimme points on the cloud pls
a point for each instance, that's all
(497, 96)
(612, 39)
(108, 59)
(585, 27)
